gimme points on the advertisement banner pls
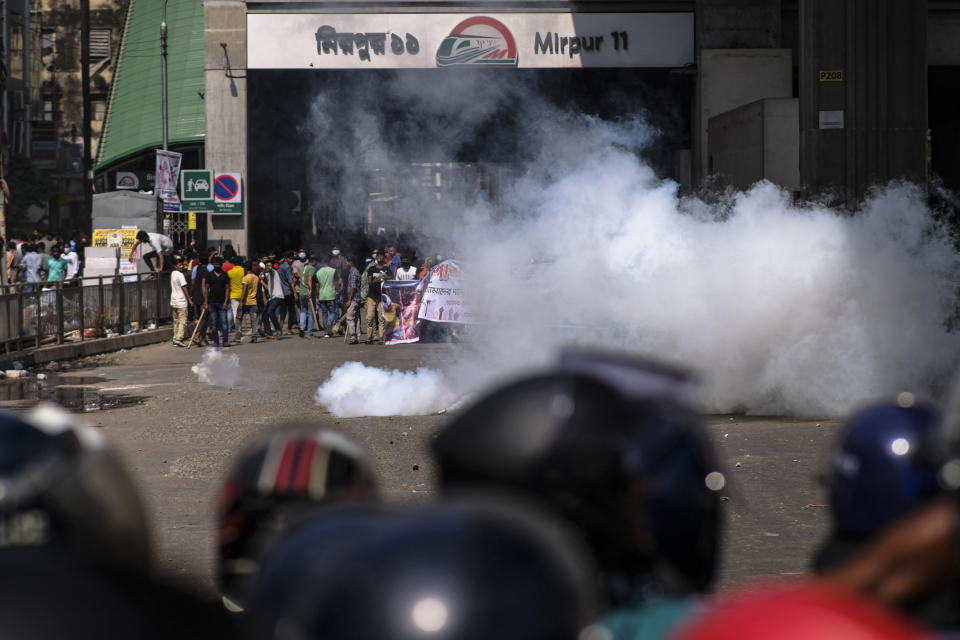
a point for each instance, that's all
(400, 301)
(442, 299)
(124, 239)
(167, 171)
(170, 201)
(502, 40)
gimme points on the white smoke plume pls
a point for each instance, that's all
(354, 389)
(784, 308)
(218, 369)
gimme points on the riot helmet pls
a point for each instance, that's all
(459, 570)
(62, 487)
(276, 482)
(883, 467)
(614, 446)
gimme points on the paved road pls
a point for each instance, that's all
(182, 437)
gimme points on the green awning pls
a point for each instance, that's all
(133, 122)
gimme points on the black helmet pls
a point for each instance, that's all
(61, 487)
(613, 446)
(457, 570)
(273, 484)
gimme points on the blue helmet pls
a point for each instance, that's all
(883, 468)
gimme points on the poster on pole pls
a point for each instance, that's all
(170, 200)
(167, 171)
(443, 299)
(400, 301)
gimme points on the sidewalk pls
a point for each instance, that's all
(89, 347)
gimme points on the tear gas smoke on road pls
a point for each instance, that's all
(217, 369)
(785, 309)
(354, 389)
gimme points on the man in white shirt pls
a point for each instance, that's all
(32, 264)
(155, 246)
(73, 260)
(276, 300)
(406, 271)
(179, 299)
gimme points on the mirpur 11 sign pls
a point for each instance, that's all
(438, 40)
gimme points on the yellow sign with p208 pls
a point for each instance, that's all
(831, 75)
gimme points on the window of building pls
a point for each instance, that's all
(98, 109)
(15, 53)
(48, 45)
(19, 137)
(100, 44)
(48, 110)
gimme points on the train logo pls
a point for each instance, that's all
(480, 41)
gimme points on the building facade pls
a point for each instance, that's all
(825, 98)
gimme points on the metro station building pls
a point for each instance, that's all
(823, 97)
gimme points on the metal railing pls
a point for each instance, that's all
(34, 314)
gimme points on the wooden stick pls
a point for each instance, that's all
(313, 309)
(196, 328)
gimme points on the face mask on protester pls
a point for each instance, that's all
(336, 252)
(302, 255)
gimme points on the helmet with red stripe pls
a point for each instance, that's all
(273, 484)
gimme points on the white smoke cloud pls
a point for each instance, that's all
(218, 369)
(784, 308)
(354, 389)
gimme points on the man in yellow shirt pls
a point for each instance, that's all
(249, 301)
(236, 273)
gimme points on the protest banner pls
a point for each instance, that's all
(400, 301)
(443, 299)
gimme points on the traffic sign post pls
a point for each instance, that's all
(196, 190)
(227, 194)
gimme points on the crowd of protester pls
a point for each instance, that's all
(582, 502)
(292, 293)
(45, 258)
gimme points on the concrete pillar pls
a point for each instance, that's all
(880, 103)
(225, 64)
(738, 76)
(731, 78)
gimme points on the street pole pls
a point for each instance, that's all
(86, 223)
(163, 71)
(163, 105)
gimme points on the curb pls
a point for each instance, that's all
(90, 347)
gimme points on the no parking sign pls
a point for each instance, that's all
(227, 194)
